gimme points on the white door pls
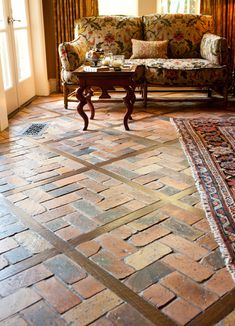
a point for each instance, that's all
(15, 53)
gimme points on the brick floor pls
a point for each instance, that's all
(105, 227)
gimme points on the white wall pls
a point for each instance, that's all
(146, 7)
(122, 7)
(39, 48)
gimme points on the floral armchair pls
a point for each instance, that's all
(195, 56)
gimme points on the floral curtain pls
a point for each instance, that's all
(223, 12)
(65, 13)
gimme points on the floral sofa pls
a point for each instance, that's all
(195, 56)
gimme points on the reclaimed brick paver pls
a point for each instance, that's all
(17, 301)
(214, 260)
(181, 311)
(3, 262)
(7, 244)
(153, 233)
(31, 206)
(23, 279)
(127, 315)
(12, 321)
(87, 208)
(207, 241)
(62, 200)
(184, 246)
(189, 290)
(93, 308)
(117, 247)
(148, 276)
(32, 241)
(158, 295)
(11, 230)
(147, 255)
(54, 213)
(221, 282)
(182, 229)
(89, 248)
(112, 264)
(148, 220)
(123, 232)
(167, 257)
(42, 314)
(187, 266)
(68, 233)
(88, 287)
(61, 298)
(116, 200)
(181, 214)
(17, 254)
(83, 222)
(65, 269)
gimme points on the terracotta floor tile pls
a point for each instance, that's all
(105, 227)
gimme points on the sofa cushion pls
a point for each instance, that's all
(214, 48)
(184, 32)
(149, 49)
(185, 72)
(111, 33)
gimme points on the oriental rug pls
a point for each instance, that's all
(210, 149)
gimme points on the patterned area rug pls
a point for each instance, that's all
(209, 146)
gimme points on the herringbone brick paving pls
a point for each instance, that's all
(105, 227)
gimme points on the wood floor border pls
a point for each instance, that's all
(116, 223)
(216, 312)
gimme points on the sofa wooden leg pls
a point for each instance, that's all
(66, 92)
(145, 94)
(225, 93)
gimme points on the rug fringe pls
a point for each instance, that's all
(205, 205)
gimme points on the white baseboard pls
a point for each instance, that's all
(52, 85)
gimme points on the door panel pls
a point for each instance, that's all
(16, 54)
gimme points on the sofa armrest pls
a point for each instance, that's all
(214, 48)
(72, 54)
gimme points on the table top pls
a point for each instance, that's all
(87, 70)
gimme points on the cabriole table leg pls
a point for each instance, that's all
(82, 101)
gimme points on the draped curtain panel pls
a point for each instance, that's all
(65, 13)
(223, 12)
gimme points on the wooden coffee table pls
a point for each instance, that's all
(105, 80)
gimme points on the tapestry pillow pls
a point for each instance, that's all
(149, 49)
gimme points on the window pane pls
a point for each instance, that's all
(22, 53)
(5, 62)
(2, 22)
(120, 7)
(179, 6)
(19, 13)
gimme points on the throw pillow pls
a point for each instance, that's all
(149, 49)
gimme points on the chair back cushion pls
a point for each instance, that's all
(184, 32)
(111, 33)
